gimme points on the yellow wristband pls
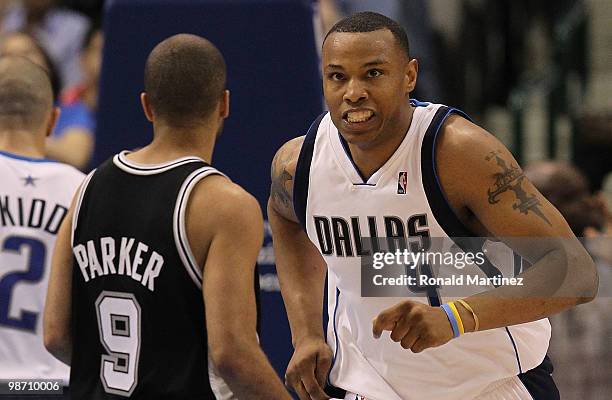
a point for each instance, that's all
(451, 304)
(467, 306)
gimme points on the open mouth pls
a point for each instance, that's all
(356, 117)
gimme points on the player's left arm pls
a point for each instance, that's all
(494, 189)
(57, 316)
(483, 181)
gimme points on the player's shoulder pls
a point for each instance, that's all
(293, 144)
(53, 170)
(462, 140)
(466, 159)
(287, 156)
(223, 199)
(282, 174)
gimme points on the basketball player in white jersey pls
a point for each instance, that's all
(34, 198)
(379, 164)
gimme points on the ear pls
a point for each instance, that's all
(412, 70)
(146, 107)
(224, 107)
(53, 118)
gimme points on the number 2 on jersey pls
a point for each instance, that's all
(36, 254)
(119, 325)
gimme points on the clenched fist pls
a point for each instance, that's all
(308, 368)
(414, 325)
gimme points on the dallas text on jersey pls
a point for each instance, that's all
(338, 235)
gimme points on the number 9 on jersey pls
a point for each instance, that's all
(119, 325)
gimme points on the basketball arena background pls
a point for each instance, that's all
(539, 80)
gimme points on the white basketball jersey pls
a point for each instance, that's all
(34, 197)
(337, 207)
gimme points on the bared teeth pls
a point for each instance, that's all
(359, 116)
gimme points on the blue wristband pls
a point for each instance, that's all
(451, 318)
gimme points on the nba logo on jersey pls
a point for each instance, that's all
(402, 182)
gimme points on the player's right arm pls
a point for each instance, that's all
(57, 332)
(301, 272)
(225, 231)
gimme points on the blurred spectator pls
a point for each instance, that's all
(24, 45)
(328, 14)
(601, 243)
(4, 5)
(593, 145)
(568, 190)
(73, 139)
(606, 196)
(60, 31)
(581, 336)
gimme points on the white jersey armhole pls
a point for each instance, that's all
(178, 225)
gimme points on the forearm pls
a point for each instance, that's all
(302, 287)
(561, 279)
(305, 313)
(236, 368)
(301, 272)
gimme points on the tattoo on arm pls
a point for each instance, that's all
(511, 179)
(281, 180)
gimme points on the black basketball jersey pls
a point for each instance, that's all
(138, 322)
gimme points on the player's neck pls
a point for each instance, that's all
(371, 157)
(21, 143)
(169, 144)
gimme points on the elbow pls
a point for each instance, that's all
(53, 342)
(56, 342)
(226, 363)
(230, 359)
(591, 284)
(588, 280)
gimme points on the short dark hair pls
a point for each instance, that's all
(369, 21)
(26, 96)
(184, 79)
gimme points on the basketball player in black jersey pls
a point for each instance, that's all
(367, 79)
(151, 293)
